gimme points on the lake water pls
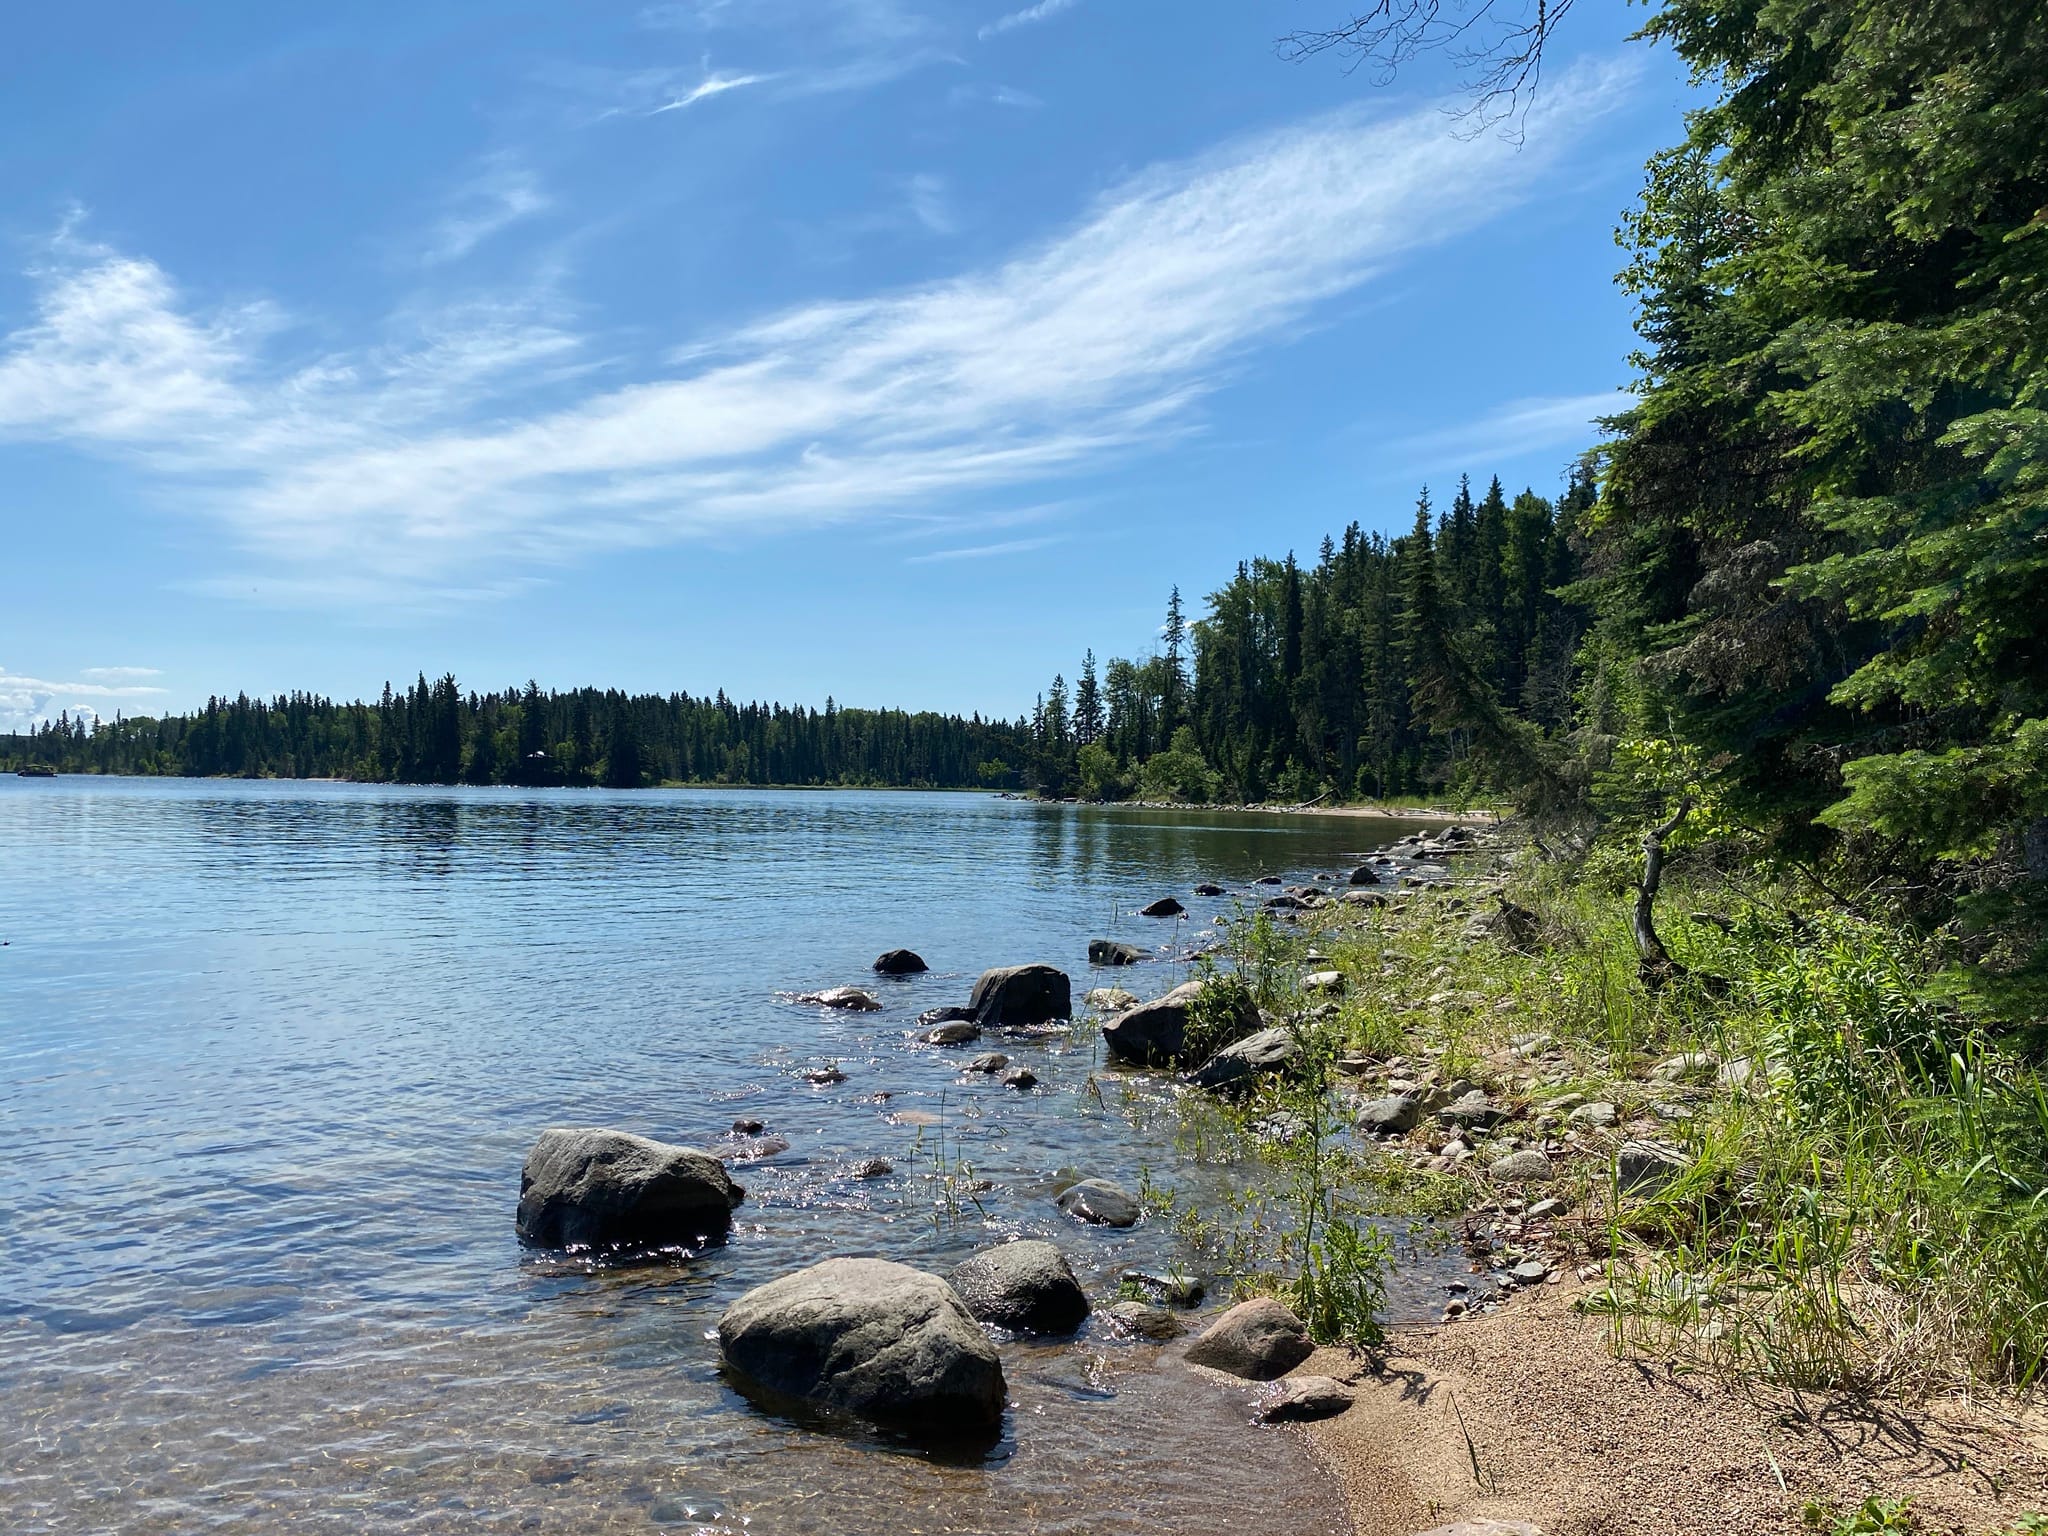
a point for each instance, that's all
(270, 1058)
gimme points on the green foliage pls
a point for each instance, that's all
(1875, 1516)
(1342, 1288)
(1179, 773)
(1821, 555)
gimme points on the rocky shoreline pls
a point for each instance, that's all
(1537, 1168)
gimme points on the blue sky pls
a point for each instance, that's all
(889, 349)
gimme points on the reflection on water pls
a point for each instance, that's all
(273, 1054)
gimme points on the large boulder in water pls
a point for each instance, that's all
(590, 1188)
(867, 1337)
(1112, 952)
(1165, 906)
(900, 962)
(1155, 1033)
(1013, 996)
(1260, 1339)
(1024, 1286)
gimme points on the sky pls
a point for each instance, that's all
(891, 350)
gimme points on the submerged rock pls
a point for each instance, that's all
(1100, 1203)
(1259, 1339)
(1208, 888)
(1173, 1289)
(1111, 952)
(1165, 906)
(1142, 1320)
(989, 1061)
(868, 1337)
(1013, 996)
(594, 1188)
(1111, 999)
(843, 997)
(1024, 1286)
(1365, 874)
(1020, 1078)
(900, 962)
(959, 1032)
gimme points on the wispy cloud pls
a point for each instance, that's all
(998, 95)
(710, 85)
(1029, 16)
(117, 674)
(402, 468)
(501, 194)
(27, 701)
(930, 205)
(1511, 429)
(986, 551)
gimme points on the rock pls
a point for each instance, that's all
(1543, 1210)
(1644, 1167)
(1208, 888)
(1238, 1065)
(868, 1337)
(1267, 880)
(1735, 1075)
(1473, 1111)
(956, 1033)
(1690, 1067)
(843, 997)
(1395, 1115)
(1173, 1289)
(821, 1077)
(1110, 952)
(1323, 981)
(1259, 1339)
(1020, 1078)
(1531, 1272)
(1453, 1310)
(872, 1168)
(1024, 1286)
(1100, 1203)
(746, 1127)
(1111, 999)
(1155, 1033)
(1013, 996)
(900, 962)
(1363, 899)
(753, 1148)
(951, 1013)
(989, 1061)
(1301, 1399)
(1286, 901)
(1365, 874)
(1165, 906)
(1144, 1321)
(1598, 1116)
(593, 1188)
(1520, 1168)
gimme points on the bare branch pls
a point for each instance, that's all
(1497, 43)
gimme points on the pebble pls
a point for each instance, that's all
(1530, 1271)
(1544, 1209)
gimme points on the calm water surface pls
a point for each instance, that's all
(271, 1055)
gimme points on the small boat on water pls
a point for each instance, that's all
(36, 771)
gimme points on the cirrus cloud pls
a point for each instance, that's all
(438, 465)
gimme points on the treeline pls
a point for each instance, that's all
(435, 733)
(1302, 683)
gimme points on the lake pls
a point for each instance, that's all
(273, 1054)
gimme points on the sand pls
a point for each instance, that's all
(1525, 1414)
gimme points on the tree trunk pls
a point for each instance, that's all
(1653, 962)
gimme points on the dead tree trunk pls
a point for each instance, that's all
(1653, 962)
